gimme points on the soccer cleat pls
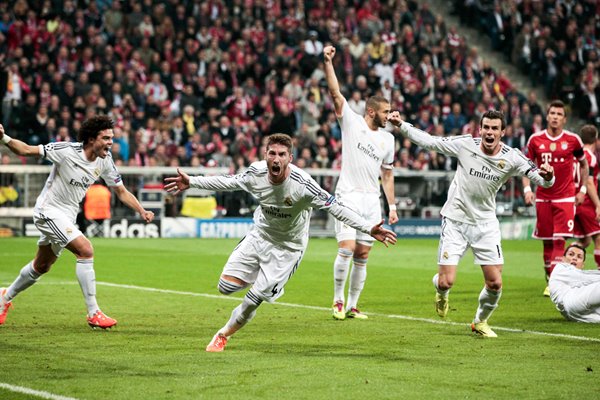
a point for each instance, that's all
(547, 292)
(356, 314)
(217, 344)
(3, 306)
(483, 329)
(338, 311)
(441, 305)
(101, 320)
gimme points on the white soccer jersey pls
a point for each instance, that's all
(575, 292)
(472, 193)
(364, 151)
(283, 216)
(72, 174)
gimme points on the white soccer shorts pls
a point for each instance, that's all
(368, 206)
(583, 303)
(484, 240)
(56, 229)
(266, 265)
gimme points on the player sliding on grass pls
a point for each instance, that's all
(76, 167)
(576, 293)
(270, 253)
(469, 214)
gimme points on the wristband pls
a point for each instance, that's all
(6, 139)
(392, 207)
(527, 189)
(583, 189)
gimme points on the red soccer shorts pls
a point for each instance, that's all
(585, 221)
(554, 219)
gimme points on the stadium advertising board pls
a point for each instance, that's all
(417, 228)
(117, 228)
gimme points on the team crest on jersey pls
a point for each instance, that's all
(288, 201)
(69, 231)
(96, 172)
(564, 145)
(501, 164)
(552, 146)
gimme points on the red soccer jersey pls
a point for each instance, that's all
(558, 152)
(594, 170)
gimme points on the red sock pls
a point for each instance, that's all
(558, 251)
(548, 248)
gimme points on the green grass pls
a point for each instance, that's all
(157, 350)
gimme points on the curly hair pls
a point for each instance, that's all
(93, 126)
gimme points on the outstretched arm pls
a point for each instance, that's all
(225, 183)
(18, 147)
(132, 202)
(332, 82)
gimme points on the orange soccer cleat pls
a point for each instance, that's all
(3, 306)
(101, 320)
(217, 344)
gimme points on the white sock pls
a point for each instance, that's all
(87, 281)
(488, 301)
(27, 277)
(358, 276)
(443, 293)
(341, 265)
(240, 316)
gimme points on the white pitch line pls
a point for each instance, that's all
(33, 392)
(405, 317)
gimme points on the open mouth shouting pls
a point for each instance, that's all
(275, 169)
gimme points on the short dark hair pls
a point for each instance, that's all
(282, 139)
(589, 134)
(577, 246)
(493, 114)
(93, 126)
(374, 102)
(556, 104)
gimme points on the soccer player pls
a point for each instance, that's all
(77, 165)
(469, 214)
(270, 253)
(575, 292)
(367, 153)
(587, 214)
(555, 206)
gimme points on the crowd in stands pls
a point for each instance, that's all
(200, 83)
(555, 42)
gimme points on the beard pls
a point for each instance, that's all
(379, 121)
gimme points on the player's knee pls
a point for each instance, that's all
(345, 253)
(228, 287)
(495, 284)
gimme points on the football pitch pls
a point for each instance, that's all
(163, 293)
